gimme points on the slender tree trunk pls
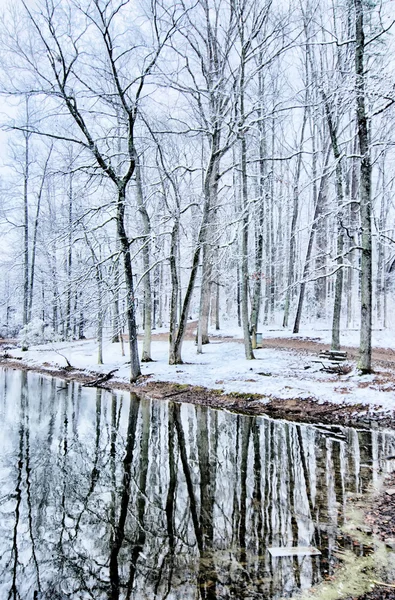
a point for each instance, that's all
(306, 269)
(204, 307)
(116, 320)
(257, 289)
(217, 286)
(340, 243)
(380, 284)
(210, 185)
(245, 220)
(69, 258)
(135, 371)
(35, 232)
(174, 293)
(26, 222)
(295, 213)
(176, 345)
(365, 347)
(146, 355)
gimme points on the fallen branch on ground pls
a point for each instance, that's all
(102, 379)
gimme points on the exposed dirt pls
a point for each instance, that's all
(382, 356)
(381, 519)
(379, 593)
(292, 409)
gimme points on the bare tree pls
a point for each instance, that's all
(93, 88)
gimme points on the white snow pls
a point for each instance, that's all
(274, 374)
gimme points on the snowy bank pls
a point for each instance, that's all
(280, 374)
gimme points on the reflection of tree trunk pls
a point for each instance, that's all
(25, 404)
(95, 472)
(257, 493)
(206, 496)
(171, 492)
(188, 478)
(119, 527)
(14, 560)
(206, 443)
(113, 437)
(315, 569)
(291, 489)
(236, 508)
(245, 441)
(47, 453)
(64, 447)
(143, 470)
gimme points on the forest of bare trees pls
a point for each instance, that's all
(216, 160)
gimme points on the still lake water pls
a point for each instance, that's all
(104, 495)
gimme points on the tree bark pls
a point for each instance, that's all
(295, 213)
(146, 355)
(135, 371)
(26, 222)
(365, 346)
(306, 269)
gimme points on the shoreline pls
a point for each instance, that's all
(299, 410)
(307, 410)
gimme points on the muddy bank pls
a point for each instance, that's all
(292, 409)
(380, 517)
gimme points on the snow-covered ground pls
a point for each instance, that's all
(274, 373)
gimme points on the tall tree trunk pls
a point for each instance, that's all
(306, 269)
(146, 354)
(365, 346)
(177, 339)
(335, 345)
(211, 189)
(26, 222)
(381, 275)
(257, 289)
(204, 306)
(35, 232)
(174, 293)
(295, 213)
(135, 371)
(69, 257)
(116, 321)
(245, 217)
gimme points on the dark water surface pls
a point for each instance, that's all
(107, 496)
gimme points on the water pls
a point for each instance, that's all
(107, 496)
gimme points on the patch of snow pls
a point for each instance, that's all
(223, 366)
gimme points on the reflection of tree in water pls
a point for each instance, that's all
(107, 496)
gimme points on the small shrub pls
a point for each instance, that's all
(36, 332)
